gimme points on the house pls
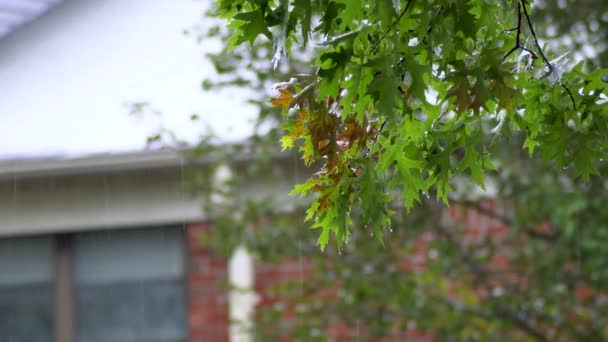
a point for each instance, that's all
(99, 243)
(108, 248)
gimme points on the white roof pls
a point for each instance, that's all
(66, 76)
(14, 13)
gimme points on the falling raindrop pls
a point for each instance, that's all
(14, 187)
(106, 199)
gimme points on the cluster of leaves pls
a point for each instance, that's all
(530, 266)
(390, 101)
(398, 102)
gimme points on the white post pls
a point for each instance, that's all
(242, 296)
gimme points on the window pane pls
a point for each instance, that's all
(129, 286)
(118, 256)
(26, 290)
(144, 311)
(26, 261)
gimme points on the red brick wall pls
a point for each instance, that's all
(207, 275)
(268, 276)
(207, 291)
(472, 225)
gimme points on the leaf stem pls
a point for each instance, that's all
(401, 14)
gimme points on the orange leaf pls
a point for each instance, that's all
(284, 99)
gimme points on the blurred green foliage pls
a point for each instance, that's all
(526, 262)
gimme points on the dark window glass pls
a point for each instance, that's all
(129, 286)
(26, 290)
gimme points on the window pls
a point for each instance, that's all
(129, 286)
(26, 290)
(115, 285)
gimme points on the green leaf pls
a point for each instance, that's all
(351, 14)
(248, 26)
(384, 11)
(303, 9)
(384, 87)
(531, 144)
(331, 66)
(323, 237)
(473, 161)
(287, 141)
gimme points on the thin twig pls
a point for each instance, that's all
(507, 221)
(344, 36)
(296, 99)
(441, 115)
(521, 7)
(540, 50)
(403, 11)
(401, 14)
(376, 137)
(500, 314)
(523, 324)
(517, 34)
(518, 44)
(569, 94)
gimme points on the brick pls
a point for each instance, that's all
(208, 306)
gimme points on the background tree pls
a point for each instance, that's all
(394, 101)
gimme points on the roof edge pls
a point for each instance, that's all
(103, 163)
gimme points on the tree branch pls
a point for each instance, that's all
(481, 273)
(508, 222)
(518, 44)
(502, 313)
(299, 96)
(517, 34)
(542, 54)
(540, 50)
(376, 137)
(569, 94)
(521, 7)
